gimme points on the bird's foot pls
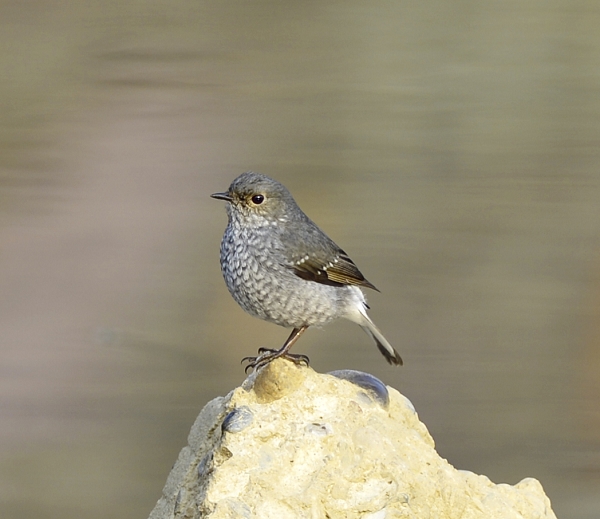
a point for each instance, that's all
(267, 355)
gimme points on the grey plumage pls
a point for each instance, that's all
(280, 267)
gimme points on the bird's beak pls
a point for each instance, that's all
(222, 196)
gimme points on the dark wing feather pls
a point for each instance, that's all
(316, 257)
(338, 271)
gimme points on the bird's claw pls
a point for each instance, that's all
(267, 355)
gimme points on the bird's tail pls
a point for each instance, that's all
(386, 349)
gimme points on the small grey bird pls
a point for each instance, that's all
(280, 267)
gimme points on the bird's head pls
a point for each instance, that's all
(257, 200)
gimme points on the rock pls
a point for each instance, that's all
(292, 443)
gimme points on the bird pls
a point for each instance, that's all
(279, 266)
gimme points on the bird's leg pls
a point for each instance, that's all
(267, 355)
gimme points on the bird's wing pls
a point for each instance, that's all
(337, 270)
(316, 257)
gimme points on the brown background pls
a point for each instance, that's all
(450, 147)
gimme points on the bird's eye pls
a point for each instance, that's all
(258, 199)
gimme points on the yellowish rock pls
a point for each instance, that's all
(292, 443)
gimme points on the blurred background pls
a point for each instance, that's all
(451, 148)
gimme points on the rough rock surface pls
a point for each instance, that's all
(292, 443)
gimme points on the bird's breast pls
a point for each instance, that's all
(263, 284)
